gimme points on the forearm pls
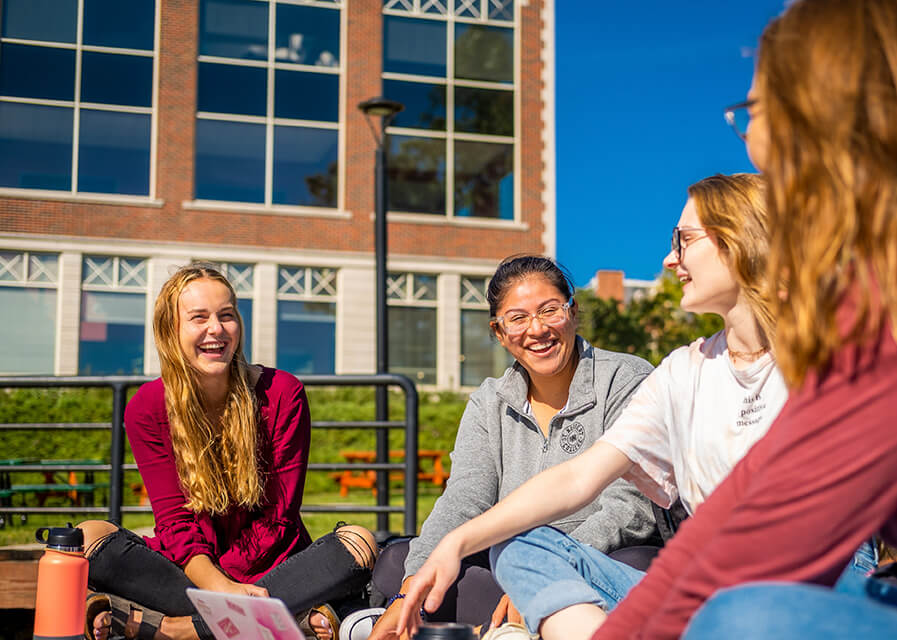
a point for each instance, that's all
(549, 496)
(205, 575)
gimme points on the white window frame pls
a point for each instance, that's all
(269, 121)
(422, 9)
(79, 47)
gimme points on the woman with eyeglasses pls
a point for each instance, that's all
(685, 428)
(559, 397)
(772, 538)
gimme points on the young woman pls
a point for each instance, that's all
(222, 447)
(560, 395)
(824, 132)
(691, 420)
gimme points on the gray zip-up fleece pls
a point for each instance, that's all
(499, 447)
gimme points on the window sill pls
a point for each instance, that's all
(274, 209)
(90, 198)
(429, 218)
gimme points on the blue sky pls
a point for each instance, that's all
(641, 88)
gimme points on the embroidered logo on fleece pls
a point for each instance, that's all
(572, 437)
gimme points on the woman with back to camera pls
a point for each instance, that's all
(685, 428)
(560, 395)
(222, 447)
(824, 132)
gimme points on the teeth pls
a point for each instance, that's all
(212, 346)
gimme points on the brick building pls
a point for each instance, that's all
(136, 136)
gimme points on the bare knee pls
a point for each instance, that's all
(361, 544)
(94, 531)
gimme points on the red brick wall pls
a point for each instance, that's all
(174, 181)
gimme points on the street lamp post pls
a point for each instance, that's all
(385, 110)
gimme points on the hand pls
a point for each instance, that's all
(244, 589)
(505, 608)
(385, 627)
(431, 582)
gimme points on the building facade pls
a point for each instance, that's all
(138, 136)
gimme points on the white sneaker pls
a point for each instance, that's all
(358, 624)
(509, 631)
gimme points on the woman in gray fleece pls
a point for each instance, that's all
(557, 399)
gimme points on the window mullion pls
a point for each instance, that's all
(450, 118)
(76, 111)
(269, 113)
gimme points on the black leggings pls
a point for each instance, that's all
(326, 570)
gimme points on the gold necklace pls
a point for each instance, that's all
(747, 356)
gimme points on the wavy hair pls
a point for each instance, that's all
(733, 209)
(217, 462)
(826, 81)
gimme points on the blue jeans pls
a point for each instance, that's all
(545, 570)
(793, 611)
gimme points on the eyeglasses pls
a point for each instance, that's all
(739, 116)
(515, 323)
(677, 244)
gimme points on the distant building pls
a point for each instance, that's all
(612, 285)
(136, 136)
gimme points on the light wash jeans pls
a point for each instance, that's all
(544, 570)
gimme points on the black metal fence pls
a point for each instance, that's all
(116, 465)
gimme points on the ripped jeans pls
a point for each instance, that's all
(123, 565)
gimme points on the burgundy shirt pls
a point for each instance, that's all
(245, 543)
(797, 506)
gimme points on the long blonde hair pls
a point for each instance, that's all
(733, 209)
(217, 462)
(826, 80)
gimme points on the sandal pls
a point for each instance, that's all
(150, 620)
(325, 610)
(95, 604)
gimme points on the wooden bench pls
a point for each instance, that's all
(367, 479)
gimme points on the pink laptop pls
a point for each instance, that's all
(232, 617)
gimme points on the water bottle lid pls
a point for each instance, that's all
(66, 538)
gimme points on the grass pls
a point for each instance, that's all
(17, 532)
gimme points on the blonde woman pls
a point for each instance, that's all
(823, 130)
(684, 429)
(222, 447)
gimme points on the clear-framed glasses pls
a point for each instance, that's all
(678, 243)
(739, 116)
(516, 322)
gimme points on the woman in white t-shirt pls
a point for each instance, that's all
(684, 429)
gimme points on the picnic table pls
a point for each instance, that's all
(434, 472)
(60, 479)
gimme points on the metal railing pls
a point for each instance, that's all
(116, 466)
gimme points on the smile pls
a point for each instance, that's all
(212, 347)
(542, 347)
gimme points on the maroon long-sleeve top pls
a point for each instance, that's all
(245, 543)
(797, 506)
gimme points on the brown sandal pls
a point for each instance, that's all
(325, 610)
(95, 604)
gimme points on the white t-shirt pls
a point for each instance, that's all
(694, 418)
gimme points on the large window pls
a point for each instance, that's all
(306, 319)
(113, 315)
(28, 284)
(481, 354)
(76, 95)
(451, 63)
(411, 317)
(274, 139)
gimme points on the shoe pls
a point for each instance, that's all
(359, 624)
(510, 631)
(325, 610)
(121, 610)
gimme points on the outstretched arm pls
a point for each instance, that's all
(544, 498)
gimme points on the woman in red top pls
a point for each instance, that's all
(824, 132)
(222, 447)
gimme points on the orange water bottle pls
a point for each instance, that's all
(61, 585)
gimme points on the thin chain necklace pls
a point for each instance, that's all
(747, 356)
